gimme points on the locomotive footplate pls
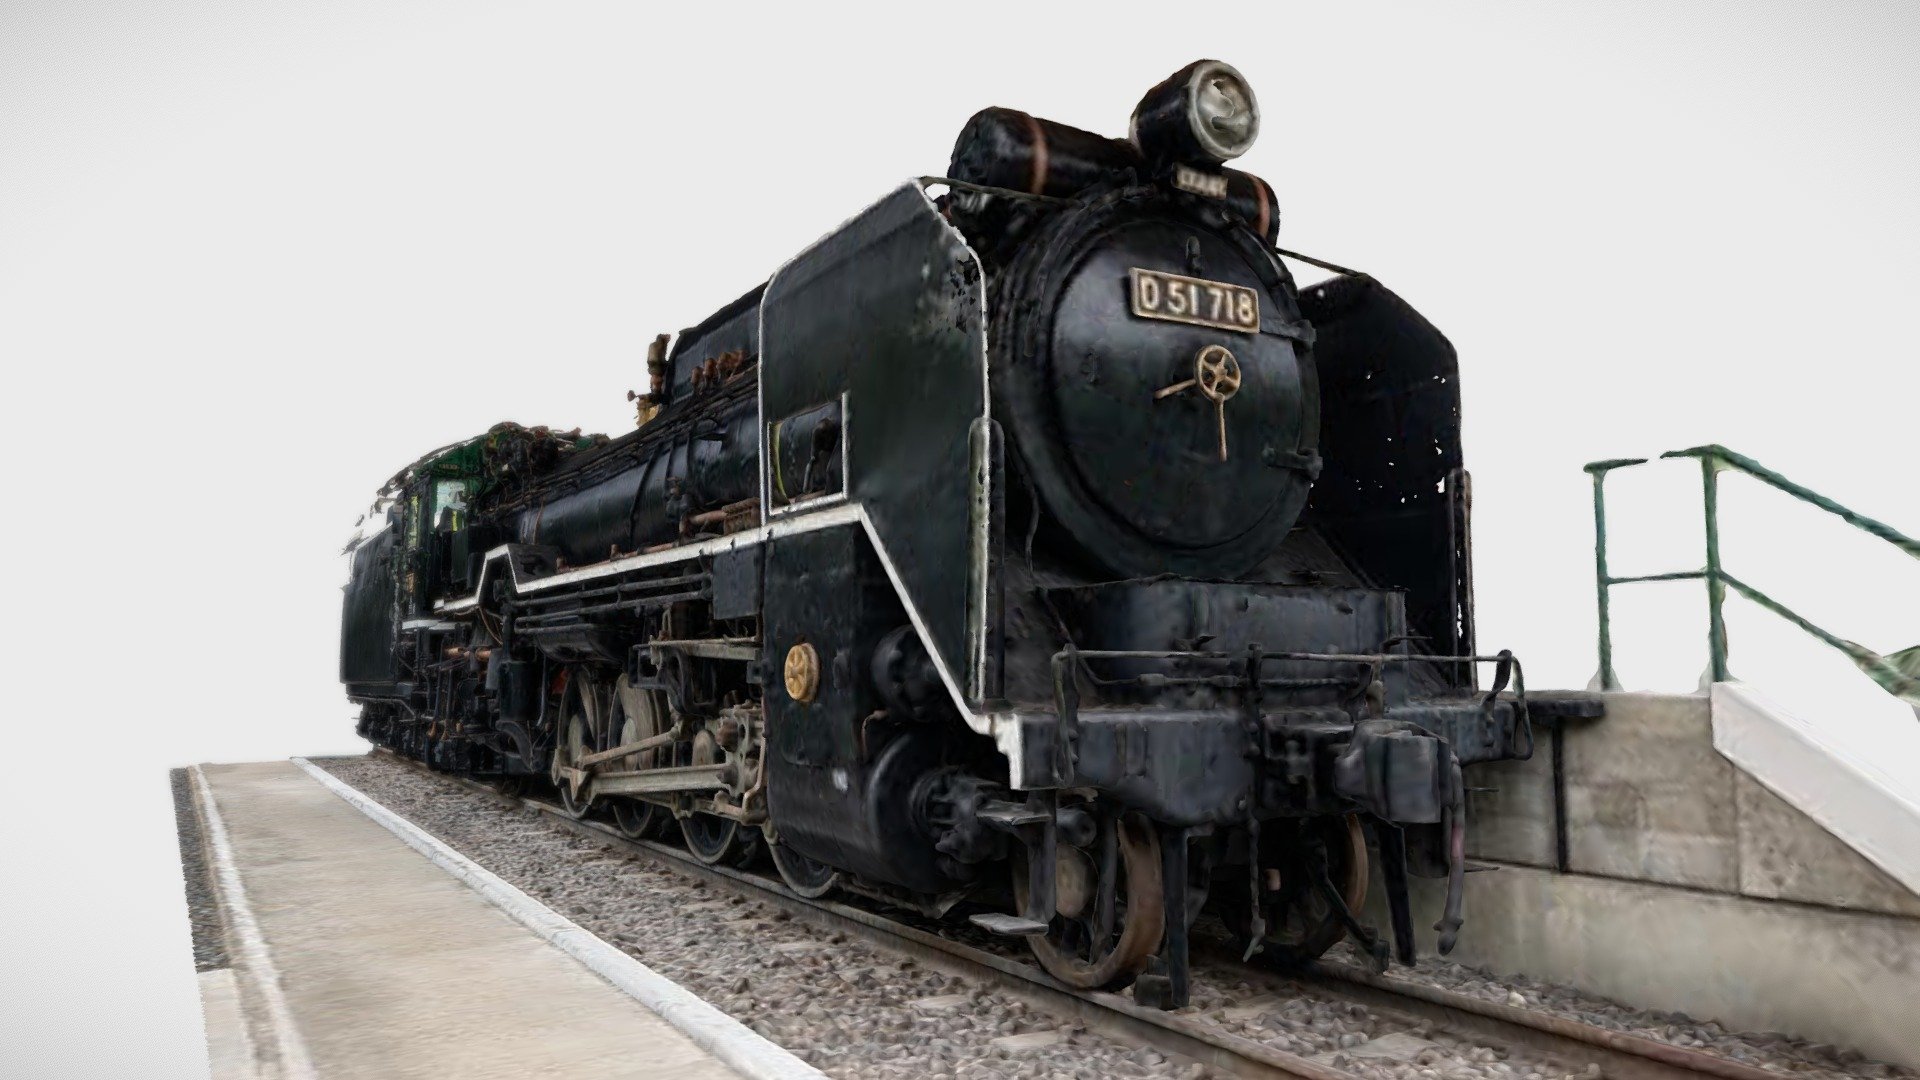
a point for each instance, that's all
(1254, 761)
(1205, 767)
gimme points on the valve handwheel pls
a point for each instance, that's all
(1217, 374)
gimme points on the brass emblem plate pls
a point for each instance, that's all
(802, 673)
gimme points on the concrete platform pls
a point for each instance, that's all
(354, 956)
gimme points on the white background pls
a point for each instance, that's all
(254, 257)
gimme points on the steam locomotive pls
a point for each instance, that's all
(1036, 551)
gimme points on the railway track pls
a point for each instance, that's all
(1413, 1008)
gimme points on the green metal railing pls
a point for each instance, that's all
(1897, 673)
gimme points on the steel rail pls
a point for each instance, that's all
(1105, 1013)
(1621, 1055)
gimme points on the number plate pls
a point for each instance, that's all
(1158, 295)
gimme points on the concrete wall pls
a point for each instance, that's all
(1850, 978)
(1689, 886)
(1650, 799)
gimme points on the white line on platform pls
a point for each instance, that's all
(250, 946)
(743, 1050)
(230, 1053)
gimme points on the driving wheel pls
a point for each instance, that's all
(1091, 944)
(635, 715)
(713, 838)
(1301, 922)
(579, 723)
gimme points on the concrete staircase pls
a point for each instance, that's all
(1708, 854)
(1874, 811)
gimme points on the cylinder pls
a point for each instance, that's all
(1252, 199)
(1006, 148)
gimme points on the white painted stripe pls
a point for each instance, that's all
(249, 945)
(746, 1052)
(838, 515)
(821, 518)
(230, 1054)
(974, 718)
(807, 505)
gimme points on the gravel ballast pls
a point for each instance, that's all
(1767, 1050)
(838, 1004)
(853, 1010)
(203, 910)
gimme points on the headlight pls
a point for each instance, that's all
(1204, 112)
(1225, 117)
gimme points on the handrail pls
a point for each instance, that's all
(1899, 674)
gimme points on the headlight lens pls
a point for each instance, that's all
(1222, 110)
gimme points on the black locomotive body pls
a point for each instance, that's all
(1039, 549)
